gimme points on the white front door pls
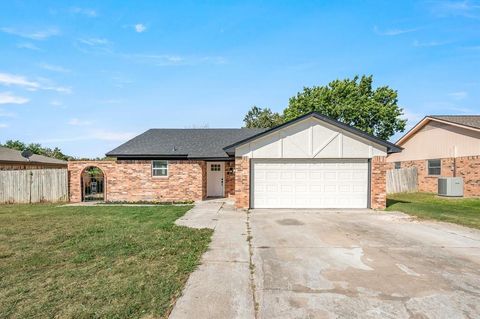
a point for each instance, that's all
(297, 183)
(215, 176)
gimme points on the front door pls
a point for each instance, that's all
(215, 176)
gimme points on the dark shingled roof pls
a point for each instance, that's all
(189, 143)
(467, 120)
(9, 155)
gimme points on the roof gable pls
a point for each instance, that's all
(471, 122)
(391, 148)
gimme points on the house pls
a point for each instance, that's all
(13, 160)
(442, 145)
(310, 162)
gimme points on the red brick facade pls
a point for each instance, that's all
(467, 167)
(242, 182)
(229, 179)
(378, 186)
(132, 180)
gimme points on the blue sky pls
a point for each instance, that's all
(88, 75)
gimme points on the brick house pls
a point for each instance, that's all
(310, 162)
(13, 160)
(447, 145)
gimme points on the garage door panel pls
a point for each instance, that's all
(301, 183)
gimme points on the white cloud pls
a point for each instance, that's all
(139, 27)
(3, 125)
(54, 68)
(4, 113)
(392, 32)
(42, 84)
(464, 8)
(94, 41)
(12, 79)
(28, 46)
(84, 11)
(9, 98)
(101, 135)
(417, 43)
(32, 34)
(78, 122)
(171, 60)
(458, 95)
(112, 136)
(110, 101)
(56, 103)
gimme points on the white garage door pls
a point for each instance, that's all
(295, 183)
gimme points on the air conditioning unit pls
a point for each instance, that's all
(450, 186)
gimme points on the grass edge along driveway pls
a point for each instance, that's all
(94, 262)
(462, 211)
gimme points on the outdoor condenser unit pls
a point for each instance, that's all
(450, 186)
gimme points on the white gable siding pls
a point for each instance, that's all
(439, 140)
(311, 138)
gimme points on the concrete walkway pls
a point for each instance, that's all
(220, 287)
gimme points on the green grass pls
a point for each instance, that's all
(429, 206)
(94, 262)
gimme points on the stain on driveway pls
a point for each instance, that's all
(363, 264)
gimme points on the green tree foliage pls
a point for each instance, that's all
(262, 118)
(36, 148)
(93, 171)
(353, 102)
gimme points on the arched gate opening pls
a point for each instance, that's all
(92, 184)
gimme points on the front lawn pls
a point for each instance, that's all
(94, 262)
(463, 211)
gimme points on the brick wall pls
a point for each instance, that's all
(131, 180)
(229, 179)
(378, 187)
(467, 167)
(242, 182)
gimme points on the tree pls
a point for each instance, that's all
(15, 145)
(37, 148)
(353, 102)
(262, 118)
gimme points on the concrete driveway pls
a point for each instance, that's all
(331, 264)
(363, 264)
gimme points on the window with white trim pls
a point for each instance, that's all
(434, 167)
(159, 168)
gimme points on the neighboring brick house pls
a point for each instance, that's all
(13, 160)
(310, 162)
(444, 145)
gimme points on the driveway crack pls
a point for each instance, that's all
(252, 265)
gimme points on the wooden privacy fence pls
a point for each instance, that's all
(33, 186)
(402, 180)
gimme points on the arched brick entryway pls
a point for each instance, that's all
(76, 184)
(93, 184)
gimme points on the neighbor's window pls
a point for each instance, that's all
(398, 165)
(434, 167)
(160, 168)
